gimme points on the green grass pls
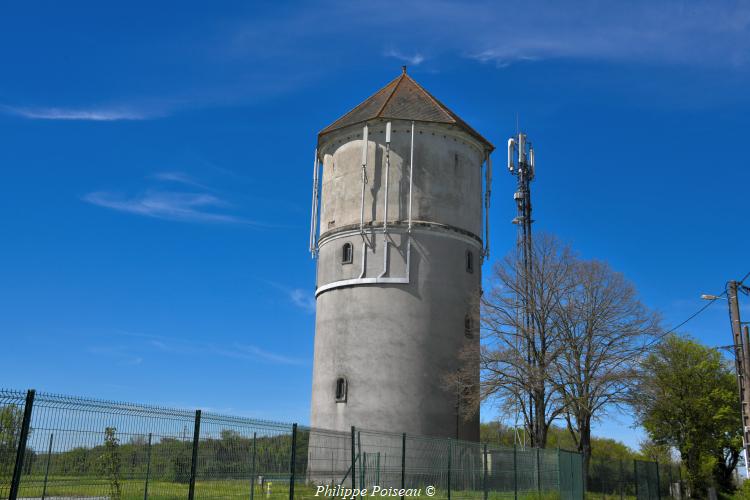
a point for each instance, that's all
(133, 489)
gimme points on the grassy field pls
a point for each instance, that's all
(133, 489)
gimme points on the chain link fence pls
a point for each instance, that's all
(63, 448)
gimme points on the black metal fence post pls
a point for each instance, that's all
(658, 482)
(622, 481)
(293, 464)
(669, 470)
(252, 470)
(15, 481)
(354, 458)
(635, 476)
(450, 454)
(538, 475)
(515, 474)
(484, 478)
(361, 460)
(46, 469)
(403, 462)
(148, 468)
(194, 461)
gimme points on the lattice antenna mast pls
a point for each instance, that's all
(521, 164)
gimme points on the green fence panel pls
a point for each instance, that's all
(86, 448)
(646, 480)
(571, 475)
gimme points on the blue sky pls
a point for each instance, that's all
(156, 164)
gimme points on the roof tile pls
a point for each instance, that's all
(403, 99)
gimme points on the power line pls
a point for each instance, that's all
(696, 313)
(706, 306)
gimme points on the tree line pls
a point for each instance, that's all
(566, 341)
(167, 459)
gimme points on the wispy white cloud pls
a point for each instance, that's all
(92, 114)
(232, 350)
(122, 356)
(299, 297)
(700, 33)
(168, 205)
(179, 178)
(302, 299)
(415, 60)
(245, 351)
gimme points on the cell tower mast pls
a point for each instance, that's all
(519, 147)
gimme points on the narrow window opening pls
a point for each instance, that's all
(341, 390)
(347, 253)
(469, 261)
(468, 327)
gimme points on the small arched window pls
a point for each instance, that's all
(469, 261)
(468, 327)
(347, 252)
(341, 390)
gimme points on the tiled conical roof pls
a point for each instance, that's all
(403, 99)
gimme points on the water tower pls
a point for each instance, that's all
(401, 190)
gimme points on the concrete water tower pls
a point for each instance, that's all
(399, 235)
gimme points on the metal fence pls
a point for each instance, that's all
(633, 479)
(57, 447)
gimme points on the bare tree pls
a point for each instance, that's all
(603, 332)
(517, 355)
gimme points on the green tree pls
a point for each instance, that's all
(111, 462)
(687, 399)
(605, 330)
(10, 429)
(655, 452)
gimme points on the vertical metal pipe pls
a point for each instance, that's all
(148, 468)
(635, 476)
(484, 475)
(364, 260)
(385, 257)
(403, 462)
(411, 172)
(15, 481)
(313, 209)
(252, 469)
(354, 459)
(622, 481)
(487, 196)
(387, 170)
(46, 469)
(293, 462)
(450, 456)
(194, 461)
(364, 180)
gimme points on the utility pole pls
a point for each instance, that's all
(742, 361)
(524, 172)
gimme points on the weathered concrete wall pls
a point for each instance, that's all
(396, 343)
(447, 177)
